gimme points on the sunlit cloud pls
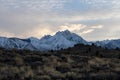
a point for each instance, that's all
(97, 27)
(6, 34)
(72, 27)
(87, 31)
(38, 32)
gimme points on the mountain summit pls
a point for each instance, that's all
(61, 40)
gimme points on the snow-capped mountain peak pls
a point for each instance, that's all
(46, 37)
(110, 44)
(61, 40)
(71, 36)
(66, 32)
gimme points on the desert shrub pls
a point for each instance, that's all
(63, 59)
(8, 72)
(101, 55)
(119, 56)
(63, 69)
(19, 61)
(32, 58)
(117, 48)
(26, 72)
(72, 76)
(9, 61)
(97, 53)
(89, 49)
(44, 77)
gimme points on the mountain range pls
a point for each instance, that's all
(110, 44)
(61, 40)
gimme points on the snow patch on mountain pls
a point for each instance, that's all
(110, 44)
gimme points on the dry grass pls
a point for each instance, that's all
(70, 64)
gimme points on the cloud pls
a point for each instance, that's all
(97, 27)
(6, 34)
(72, 27)
(114, 4)
(91, 29)
(80, 29)
(37, 32)
(24, 18)
(34, 5)
(87, 31)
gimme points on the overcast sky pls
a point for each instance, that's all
(91, 19)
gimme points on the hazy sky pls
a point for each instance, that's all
(91, 19)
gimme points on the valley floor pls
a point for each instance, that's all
(58, 65)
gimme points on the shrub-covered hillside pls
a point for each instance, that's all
(78, 63)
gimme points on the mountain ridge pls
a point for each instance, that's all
(61, 40)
